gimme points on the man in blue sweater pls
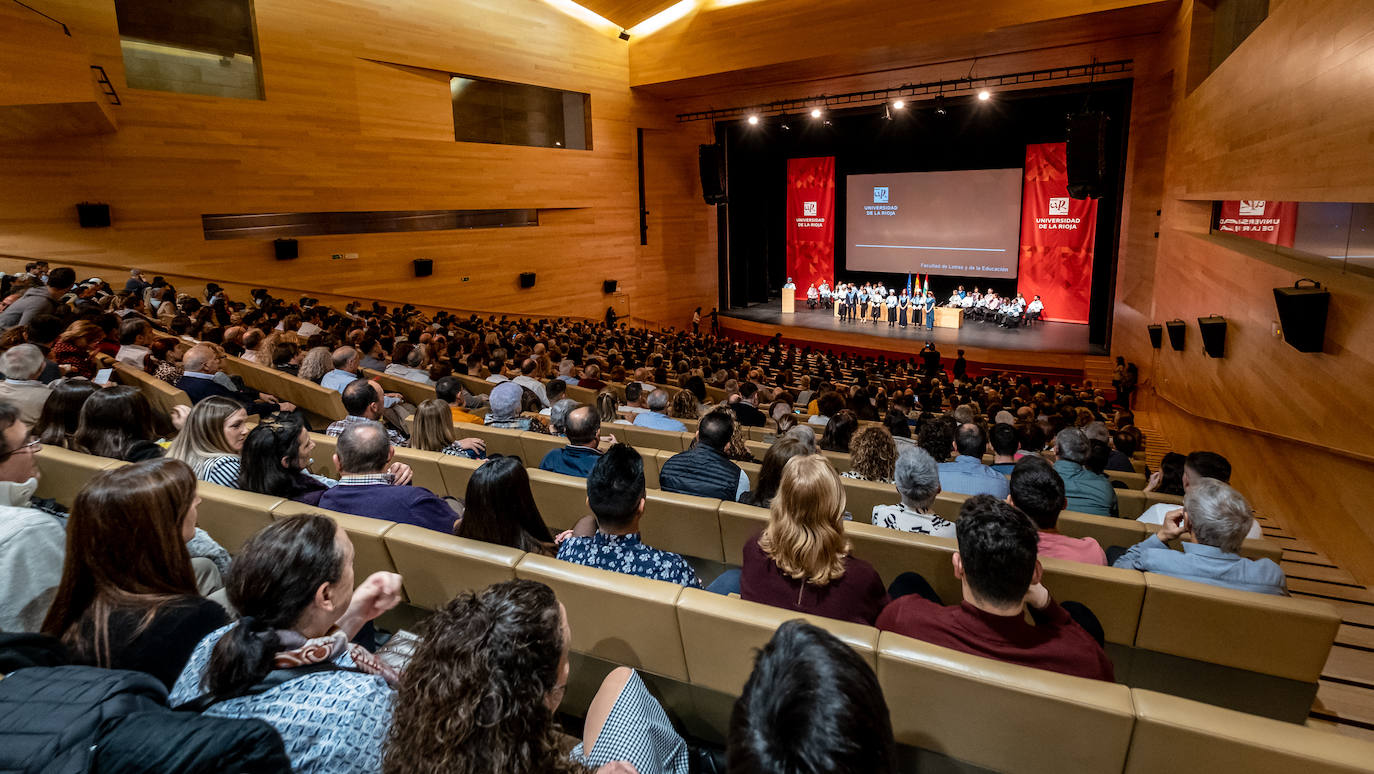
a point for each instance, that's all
(366, 489)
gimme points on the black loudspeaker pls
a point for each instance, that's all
(1302, 314)
(711, 164)
(1213, 335)
(1178, 333)
(424, 267)
(286, 249)
(526, 279)
(93, 215)
(1086, 149)
(608, 286)
(1156, 335)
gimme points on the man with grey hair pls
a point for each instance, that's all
(22, 364)
(656, 418)
(558, 415)
(567, 371)
(200, 379)
(346, 361)
(917, 478)
(1086, 491)
(366, 488)
(1218, 517)
(805, 434)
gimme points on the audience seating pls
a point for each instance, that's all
(232, 516)
(323, 405)
(438, 567)
(370, 552)
(476, 386)
(498, 440)
(162, 396)
(415, 392)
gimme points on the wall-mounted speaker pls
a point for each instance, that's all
(424, 267)
(1086, 151)
(711, 165)
(526, 279)
(1213, 335)
(1302, 314)
(1178, 333)
(93, 215)
(1156, 335)
(285, 249)
(609, 286)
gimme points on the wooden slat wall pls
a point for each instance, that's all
(338, 131)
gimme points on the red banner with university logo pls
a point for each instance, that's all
(811, 222)
(1263, 221)
(1057, 236)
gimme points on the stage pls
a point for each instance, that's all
(1049, 347)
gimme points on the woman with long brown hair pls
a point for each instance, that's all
(127, 599)
(801, 559)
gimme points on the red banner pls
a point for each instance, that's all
(1263, 221)
(811, 222)
(1057, 235)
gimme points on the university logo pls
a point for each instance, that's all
(1059, 205)
(809, 209)
(880, 194)
(1252, 207)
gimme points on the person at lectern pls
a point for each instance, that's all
(812, 296)
(789, 284)
(892, 310)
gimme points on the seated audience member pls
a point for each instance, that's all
(199, 366)
(39, 298)
(211, 440)
(292, 583)
(276, 461)
(583, 427)
(1169, 478)
(367, 488)
(801, 560)
(558, 416)
(937, 437)
(967, 474)
(684, 406)
(22, 365)
(1087, 492)
(117, 422)
(828, 404)
(656, 417)
(32, 540)
(615, 494)
(900, 430)
(589, 378)
(450, 390)
(434, 432)
(997, 563)
(75, 349)
(1197, 466)
(872, 454)
(747, 407)
(917, 478)
(608, 409)
(128, 599)
(811, 705)
(372, 354)
(505, 409)
(839, 431)
(556, 390)
(364, 401)
(413, 369)
(528, 367)
(634, 399)
(770, 472)
(1218, 518)
(1039, 492)
(704, 470)
(498, 507)
(62, 411)
(481, 692)
(347, 363)
(1125, 442)
(135, 340)
(1003, 439)
(316, 363)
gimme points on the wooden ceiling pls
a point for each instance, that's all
(770, 40)
(626, 13)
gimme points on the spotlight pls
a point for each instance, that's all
(984, 95)
(899, 104)
(753, 120)
(815, 112)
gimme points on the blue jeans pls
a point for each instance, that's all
(727, 583)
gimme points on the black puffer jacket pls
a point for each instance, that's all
(75, 719)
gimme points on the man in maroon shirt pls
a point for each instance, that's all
(997, 563)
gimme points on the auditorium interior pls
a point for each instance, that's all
(542, 159)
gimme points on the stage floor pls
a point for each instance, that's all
(1042, 337)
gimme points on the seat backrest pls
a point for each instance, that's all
(892, 553)
(862, 496)
(683, 524)
(62, 472)
(425, 465)
(1170, 730)
(1132, 480)
(721, 636)
(370, 553)
(758, 448)
(1260, 548)
(562, 500)
(476, 386)
(1130, 503)
(947, 505)
(1105, 530)
(457, 471)
(325, 445)
(415, 392)
(436, 567)
(1114, 595)
(649, 438)
(161, 395)
(838, 460)
(738, 522)
(751, 469)
(584, 395)
(1280, 636)
(499, 440)
(1002, 716)
(535, 445)
(651, 465)
(620, 618)
(312, 397)
(231, 516)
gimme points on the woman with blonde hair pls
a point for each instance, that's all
(434, 432)
(211, 440)
(801, 560)
(684, 406)
(872, 455)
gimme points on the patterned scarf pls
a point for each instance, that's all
(327, 648)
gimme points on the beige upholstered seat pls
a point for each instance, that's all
(499, 440)
(320, 402)
(323, 455)
(437, 567)
(425, 466)
(1114, 595)
(456, 471)
(161, 395)
(1132, 480)
(62, 473)
(1105, 530)
(415, 393)
(370, 553)
(231, 516)
(535, 445)
(738, 523)
(683, 524)
(562, 500)
(862, 496)
(649, 438)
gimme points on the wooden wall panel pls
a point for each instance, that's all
(339, 132)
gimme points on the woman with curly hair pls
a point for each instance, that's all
(684, 406)
(479, 696)
(872, 455)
